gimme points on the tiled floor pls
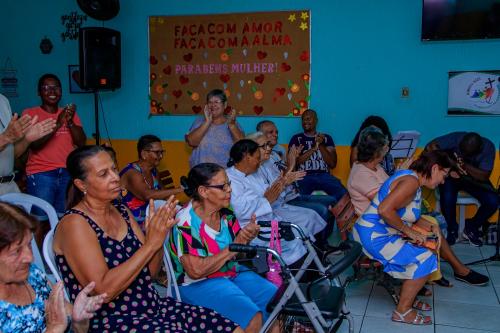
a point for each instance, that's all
(461, 309)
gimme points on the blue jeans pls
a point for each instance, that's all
(238, 299)
(322, 181)
(318, 203)
(448, 199)
(50, 186)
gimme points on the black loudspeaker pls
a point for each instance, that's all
(100, 59)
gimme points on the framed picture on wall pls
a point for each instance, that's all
(74, 80)
(474, 93)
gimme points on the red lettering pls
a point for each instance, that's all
(256, 40)
(287, 40)
(221, 43)
(211, 28)
(232, 42)
(177, 29)
(220, 28)
(244, 41)
(246, 28)
(256, 27)
(211, 42)
(268, 27)
(231, 29)
(192, 29)
(278, 25)
(276, 40)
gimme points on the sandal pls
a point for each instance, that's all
(419, 319)
(421, 305)
(425, 292)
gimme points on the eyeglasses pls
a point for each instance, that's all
(47, 87)
(266, 145)
(156, 152)
(223, 187)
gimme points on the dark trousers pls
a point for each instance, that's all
(448, 199)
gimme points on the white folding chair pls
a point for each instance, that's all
(28, 201)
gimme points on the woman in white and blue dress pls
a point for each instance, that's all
(388, 219)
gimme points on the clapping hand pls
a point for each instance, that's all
(159, 222)
(40, 129)
(293, 153)
(85, 306)
(249, 232)
(293, 176)
(208, 114)
(319, 139)
(18, 127)
(232, 117)
(55, 311)
(273, 192)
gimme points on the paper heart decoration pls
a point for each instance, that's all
(258, 109)
(285, 67)
(228, 109)
(224, 77)
(261, 55)
(259, 78)
(196, 109)
(153, 60)
(188, 57)
(280, 91)
(167, 70)
(304, 56)
(183, 79)
(177, 93)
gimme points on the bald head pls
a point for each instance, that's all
(471, 144)
(268, 128)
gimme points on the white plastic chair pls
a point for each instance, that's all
(463, 200)
(171, 281)
(28, 201)
(167, 261)
(49, 255)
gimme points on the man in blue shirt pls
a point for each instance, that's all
(474, 156)
(318, 156)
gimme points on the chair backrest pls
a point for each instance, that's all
(49, 255)
(37, 258)
(345, 215)
(28, 201)
(172, 286)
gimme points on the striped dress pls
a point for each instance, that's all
(401, 259)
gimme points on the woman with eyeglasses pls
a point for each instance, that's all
(253, 193)
(204, 267)
(47, 177)
(211, 137)
(140, 179)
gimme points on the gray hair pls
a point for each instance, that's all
(255, 135)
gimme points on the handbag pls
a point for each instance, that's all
(345, 215)
(274, 274)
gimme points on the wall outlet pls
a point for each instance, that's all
(405, 92)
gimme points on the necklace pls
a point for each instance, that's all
(151, 187)
(29, 291)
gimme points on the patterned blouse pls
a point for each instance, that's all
(136, 205)
(30, 317)
(194, 237)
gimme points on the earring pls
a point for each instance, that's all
(84, 192)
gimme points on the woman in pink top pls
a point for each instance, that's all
(46, 167)
(367, 175)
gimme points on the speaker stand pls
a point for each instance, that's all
(96, 115)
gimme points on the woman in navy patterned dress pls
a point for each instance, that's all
(99, 241)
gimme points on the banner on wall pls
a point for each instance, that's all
(261, 61)
(474, 93)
